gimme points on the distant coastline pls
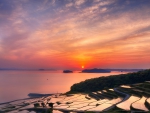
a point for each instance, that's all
(112, 81)
(38, 95)
(70, 71)
(13, 69)
(95, 70)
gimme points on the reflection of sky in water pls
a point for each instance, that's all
(85, 108)
(74, 103)
(126, 104)
(140, 104)
(148, 100)
(86, 104)
(18, 84)
(79, 105)
(61, 107)
(24, 111)
(54, 100)
(98, 102)
(100, 107)
(105, 104)
(114, 101)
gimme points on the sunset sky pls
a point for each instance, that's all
(69, 34)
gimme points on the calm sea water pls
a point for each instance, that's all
(18, 84)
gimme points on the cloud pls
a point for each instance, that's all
(106, 2)
(69, 4)
(79, 2)
(74, 32)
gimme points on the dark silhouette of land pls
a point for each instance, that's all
(17, 69)
(67, 71)
(38, 95)
(95, 70)
(121, 70)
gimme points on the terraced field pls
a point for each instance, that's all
(126, 98)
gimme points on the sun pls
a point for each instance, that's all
(82, 67)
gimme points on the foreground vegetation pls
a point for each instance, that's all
(112, 81)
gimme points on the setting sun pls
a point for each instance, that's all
(82, 66)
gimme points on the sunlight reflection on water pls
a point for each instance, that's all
(126, 104)
(18, 84)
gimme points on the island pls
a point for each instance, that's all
(95, 70)
(67, 71)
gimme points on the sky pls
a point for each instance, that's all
(69, 34)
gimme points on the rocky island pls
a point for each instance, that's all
(67, 71)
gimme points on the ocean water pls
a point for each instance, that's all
(18, 84)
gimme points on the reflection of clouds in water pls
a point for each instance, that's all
(140, 104)
(86, 104)
(64, 102)
(21, 83)
(126, 104)
(80, 102)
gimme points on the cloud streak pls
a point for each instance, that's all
(71, 33)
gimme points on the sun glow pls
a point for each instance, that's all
(82, 67)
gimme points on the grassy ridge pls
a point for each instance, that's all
(112, 81)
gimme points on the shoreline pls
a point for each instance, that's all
(14, 101)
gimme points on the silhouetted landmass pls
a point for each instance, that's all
(95, 70)
(67, 71)
(112, 81)
(42, 69)
(8, 69)
(135, 70)
(38, 95)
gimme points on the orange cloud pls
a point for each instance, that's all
(65, 34)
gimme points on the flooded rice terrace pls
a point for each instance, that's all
(110, 101)
(17, 85)
(76, 103)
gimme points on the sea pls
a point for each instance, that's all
(18, 84)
